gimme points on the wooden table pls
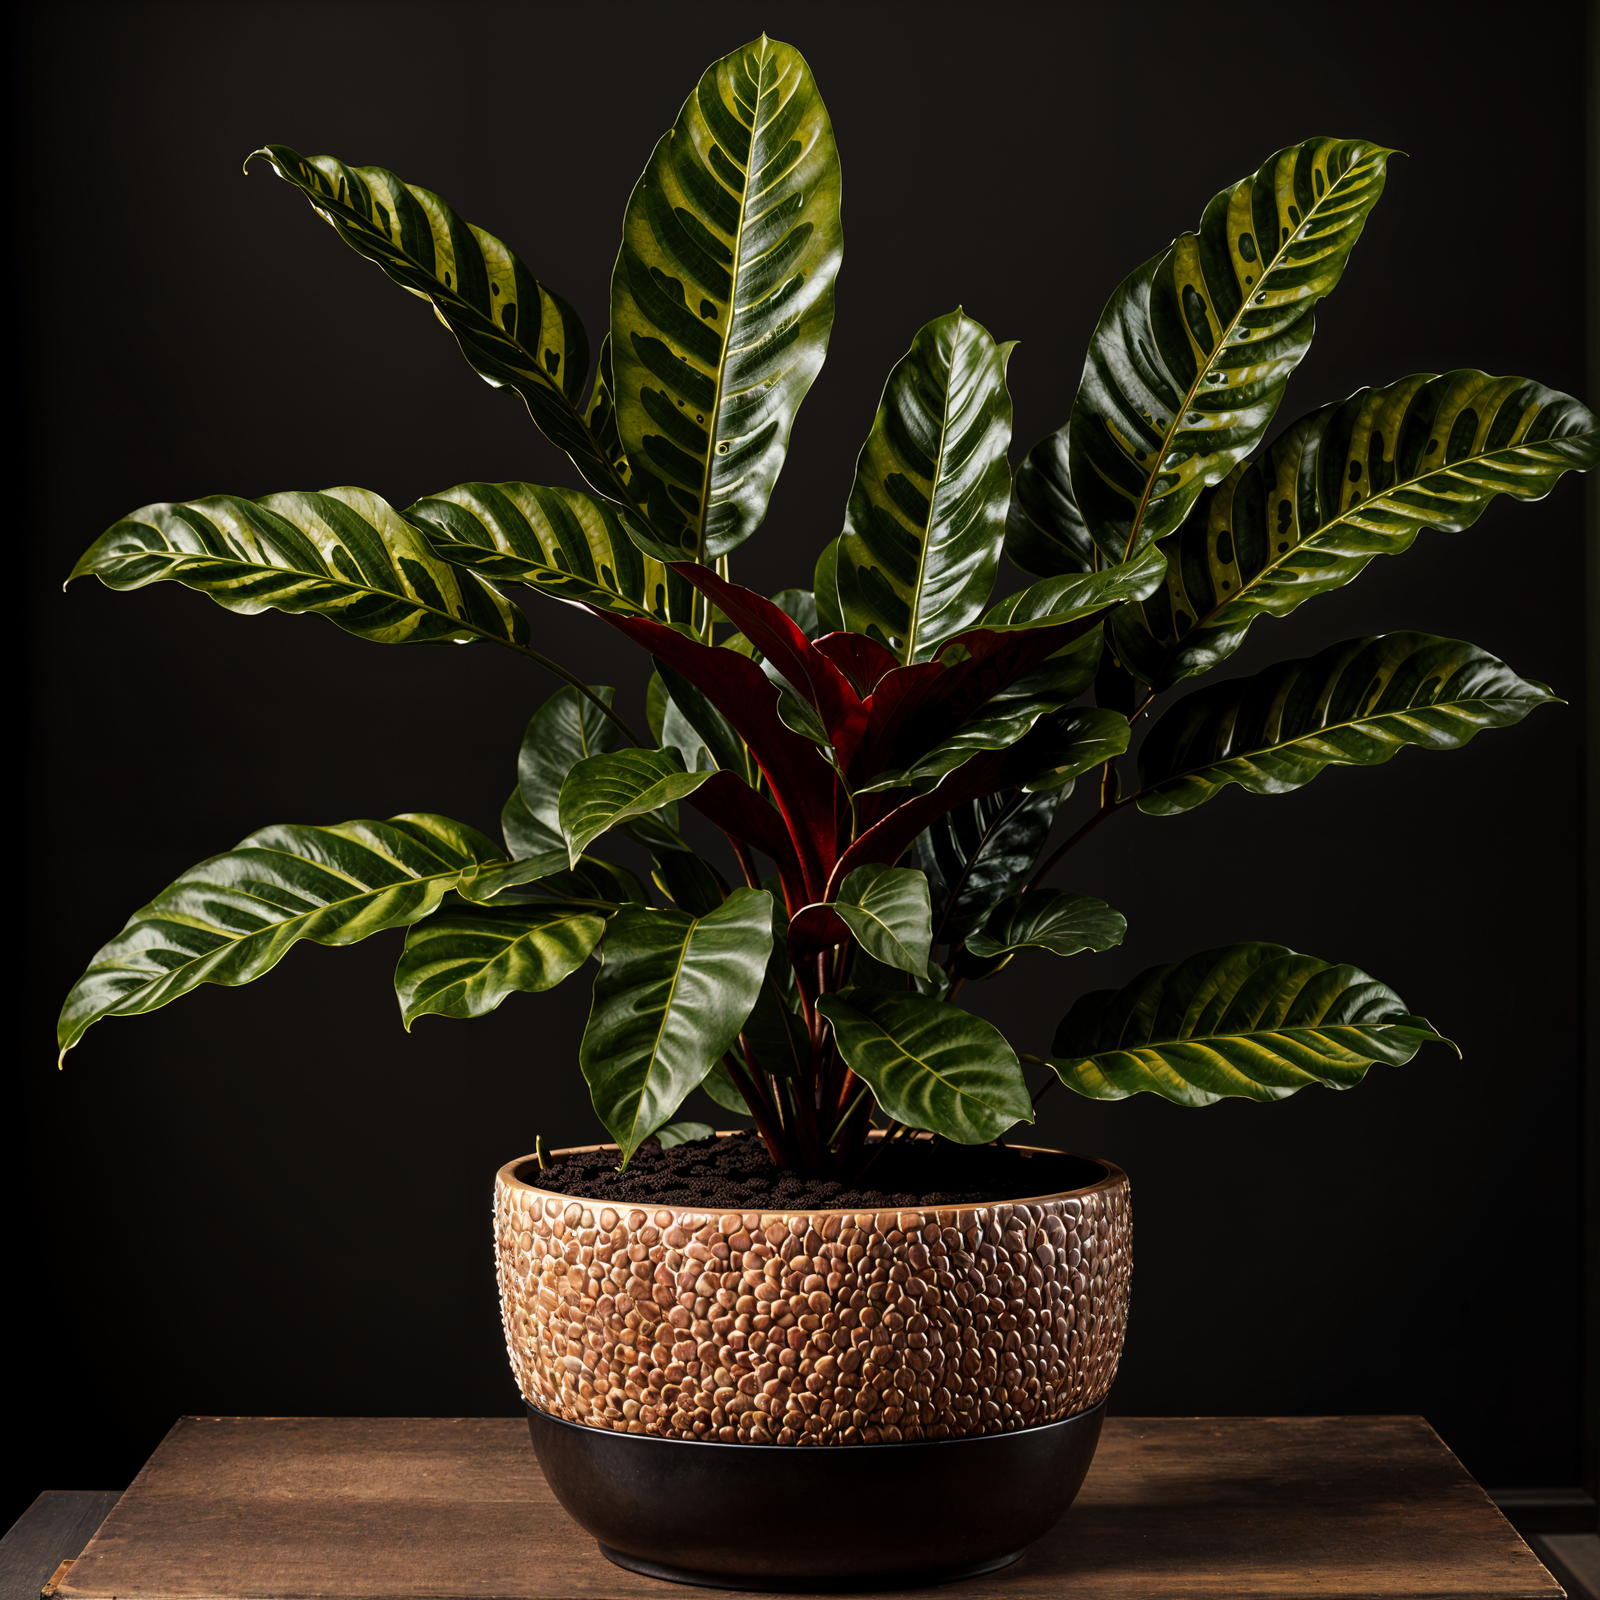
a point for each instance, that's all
(322, 1508)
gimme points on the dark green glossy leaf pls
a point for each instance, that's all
(800, 606)
(682, 1133)
(1062, 747)
(722, 297)
(719, 1084)
(560, 541)
(774, 1031)
(233, 917)
(687, 881)
(1354, 480)
(1048, 919)
(516, 333)
(1256, 1020)
(1353, 704)
(691, 723)
(979, 853)
(565, 730)
(930, 1064)
(888, 912)
(926, 516)
(1192, 352)
(344, 553)
(602, 791)
(464, 963)
(1079, 594)
(1045, 531)
(672, 994)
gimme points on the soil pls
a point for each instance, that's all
(737, 1174)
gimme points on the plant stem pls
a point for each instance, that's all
(758, 1110)
(1082, 833)
(1049, 1083)
(850, 1111)
(747, 866)
(577, 683)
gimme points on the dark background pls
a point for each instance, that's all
(275, 1201)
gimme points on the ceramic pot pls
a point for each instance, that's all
(648, 1339)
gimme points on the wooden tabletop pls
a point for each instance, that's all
(327, 1508)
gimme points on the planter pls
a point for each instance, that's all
(957, 1358)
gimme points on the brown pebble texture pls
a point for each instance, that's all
(814, 1327)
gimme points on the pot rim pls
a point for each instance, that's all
(1114, 1177)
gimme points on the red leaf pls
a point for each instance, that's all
(729, 803)
(887, 840)
(929, 700)
(864, 661)
(775, 634)
(802, 783)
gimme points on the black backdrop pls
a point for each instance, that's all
(274, 1200)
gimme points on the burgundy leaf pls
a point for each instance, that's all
(863, 661)
(802, 783)
(774, 633)
(728, 802)
(888, 839)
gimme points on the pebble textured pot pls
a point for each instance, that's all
(836, 1328)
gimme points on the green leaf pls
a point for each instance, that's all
(560, 541)
(1004, 723)
(1079, 594)
(979, 853)
(1062, 747)
(596, 880)
(566, 729)
(930, 1064)
(926, 516)
(719, 1084)
(888, 911)
(672, 994)
(603, 790)
(687, 881)
(515, 333)
(1191, 355)
(1045, 531)
(1256, 1020)
(344, 554)
(691, 723)
(682, 1133)
(722, 297)
(1353, 704)
(234, 916)
(1356, 479)
(464, 963)
(1048, 919)
(800, 606)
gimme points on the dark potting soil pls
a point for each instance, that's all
(737, 1174)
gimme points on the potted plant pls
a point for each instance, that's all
(885, 753)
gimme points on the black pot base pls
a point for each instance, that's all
(745, 1516)
(719, 1580)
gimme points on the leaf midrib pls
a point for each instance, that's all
(733, 301)
(907, 1055)
(933, 499)
(1343, 519)
(1314, 733)
(238, 939)
(1221, 344)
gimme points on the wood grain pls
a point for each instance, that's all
(293, 1508)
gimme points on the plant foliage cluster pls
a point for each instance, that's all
(893, 743)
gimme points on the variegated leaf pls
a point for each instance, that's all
(1353, 704)
(233, 917)
(463, 963)
(561, 541)
(1256, 1020)
(1355, 479)
(516, 333)
(1192, 352)
(926, 516)
(343, 553)
(722, 297)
